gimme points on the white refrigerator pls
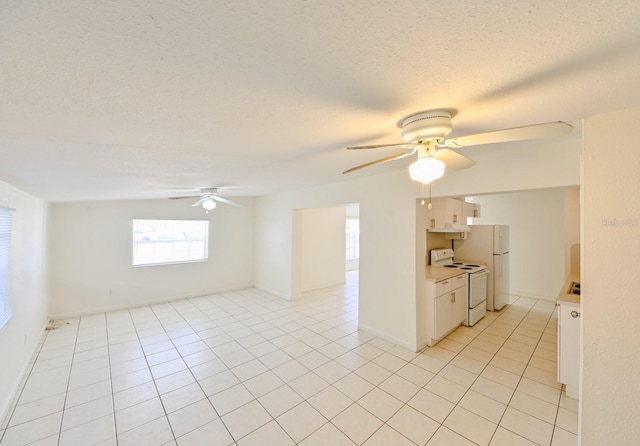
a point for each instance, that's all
(488, 244)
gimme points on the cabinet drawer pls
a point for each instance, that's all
(459, 281)
(444, 286)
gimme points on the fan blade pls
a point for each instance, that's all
(200, 201)
(408, 145)
(535, 131)
(453, 160)
(380, 161)
(224, 200)
(180, 198)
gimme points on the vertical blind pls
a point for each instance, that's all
(5, 255)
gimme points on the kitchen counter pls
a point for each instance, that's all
(438, 273)
(566, 298)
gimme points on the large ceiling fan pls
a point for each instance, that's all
(424, 133)
(207, 198)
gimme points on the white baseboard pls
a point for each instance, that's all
(17, 385)
(401, 342)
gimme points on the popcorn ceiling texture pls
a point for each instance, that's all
(140, 99)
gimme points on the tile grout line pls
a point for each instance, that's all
(66, 394)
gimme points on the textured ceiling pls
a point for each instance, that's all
(147, 99)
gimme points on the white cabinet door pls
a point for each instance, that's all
(442, 315)
(454, 211)
(436, 215)
(569, 348)
(443, 211)
(459, 306)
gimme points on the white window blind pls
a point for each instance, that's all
(5, 257)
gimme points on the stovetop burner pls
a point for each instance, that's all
(444, 257)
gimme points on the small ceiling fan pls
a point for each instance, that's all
(424, 133)
(208, 199)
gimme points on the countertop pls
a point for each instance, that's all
(438, 273)
(566, 298)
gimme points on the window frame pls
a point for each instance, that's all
(167, 240)
(6, 221)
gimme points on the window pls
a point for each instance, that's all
(352, 244)
(158, 242)
(5, 256)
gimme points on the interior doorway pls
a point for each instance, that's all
(327, 247)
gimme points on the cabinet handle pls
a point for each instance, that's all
(475, 212)
(433, 222)
(575, 314)
(455, 218)
(445, 282)
(453, 297)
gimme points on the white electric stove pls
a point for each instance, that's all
(476, 282)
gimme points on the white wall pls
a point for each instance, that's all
(389, 277)
(323, 248)
(536, 222)
(572, 229)
(91, 255)
(387, 247)
(610, 279)
(353, 211)
(27, 289)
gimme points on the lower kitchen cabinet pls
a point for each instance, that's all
(446, 306)
(569, 347)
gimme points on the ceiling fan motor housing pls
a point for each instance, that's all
(426, 125)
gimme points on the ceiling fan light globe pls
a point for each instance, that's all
(425, 170)
(209, 204)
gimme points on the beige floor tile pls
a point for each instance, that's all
(330, 402)
(563, 438)
(328, 434)
(280, 400)
(386, 436)
(246, 419)
(307, 363)
(270, 433)
(431, 405)
(504, 437)
(413, 424)
(354, 386)
(527, 426)
(567, 420)
(471, 426)
(373, 373)
(446, 389)
(380, 403)
(192, 417)
(399, 387)
(357, 423)
(446, 437)
(301, 421)
(534, 406)
(213, 433)
(417, 375)
(262, 384)
(483, 406)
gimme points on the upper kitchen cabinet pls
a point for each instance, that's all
(443, 211)
(470, 210)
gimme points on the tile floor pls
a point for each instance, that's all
(246, 368)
